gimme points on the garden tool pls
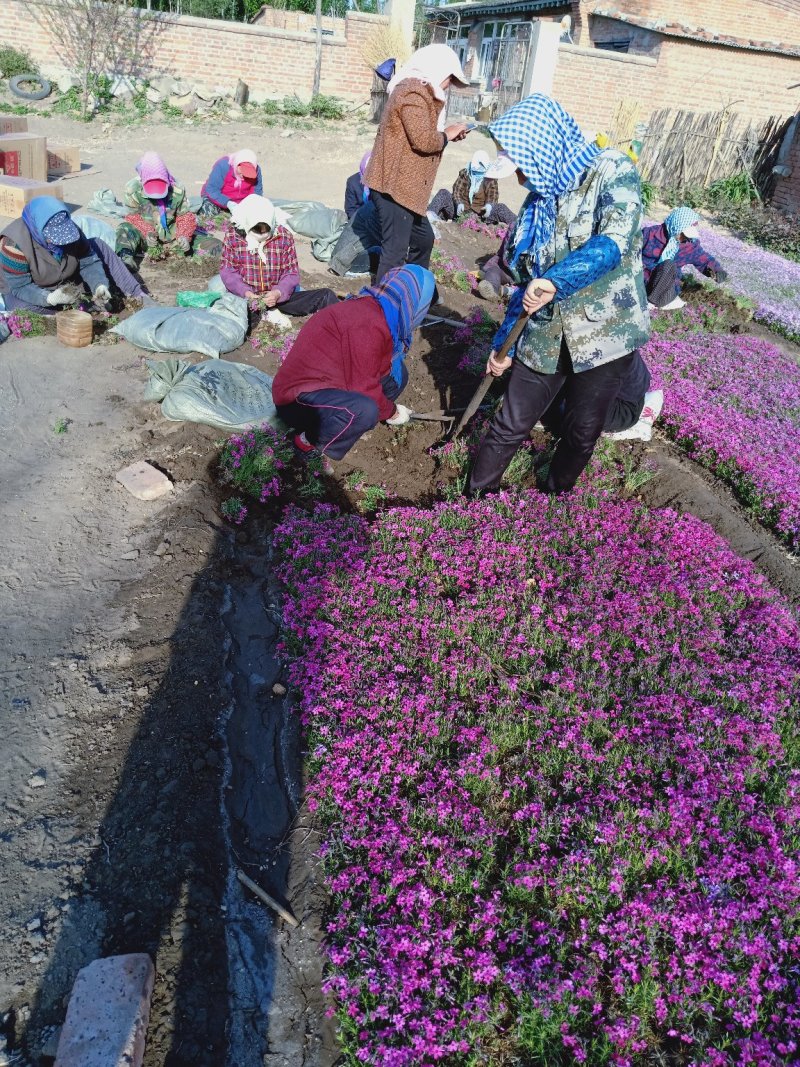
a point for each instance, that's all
(432, 416)
(483, 388)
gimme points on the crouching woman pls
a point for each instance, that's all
(346, 368)
(259, 260)
(46, 262)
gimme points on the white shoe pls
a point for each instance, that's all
(674, 305)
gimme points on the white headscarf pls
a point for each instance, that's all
(249, 213)
(246, 155)
(431, 64)
(476, 171)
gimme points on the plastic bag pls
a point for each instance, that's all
(188, 298)
(230, 396)
(209, 331)
(310, 218)
(97, 228)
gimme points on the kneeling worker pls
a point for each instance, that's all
(346, 367)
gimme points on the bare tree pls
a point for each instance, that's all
(318, 57)
(92, 37)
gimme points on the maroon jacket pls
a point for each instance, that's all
(346, 346)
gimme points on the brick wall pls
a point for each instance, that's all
(787, 190)
(211, 53)
(590, 82)
(758, 20)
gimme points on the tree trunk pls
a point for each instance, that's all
(318, 62)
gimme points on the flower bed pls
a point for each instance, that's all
(556, 778)
(733, 403)
(771, 282)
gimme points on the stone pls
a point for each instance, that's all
(144, 481)
(38, 780)
(67, 82)
(154, 96)
(108, 1013)
(125, 98)
(165, 85)
(34, 924)
(279, 690)
(187, 105)
(49, 1049)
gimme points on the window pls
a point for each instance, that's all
(621, 45)
(458, 39)
(493, 34)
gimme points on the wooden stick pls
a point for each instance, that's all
(265, 898)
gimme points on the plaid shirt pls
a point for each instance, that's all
(690, 253)
(256, 275)
(487, 193)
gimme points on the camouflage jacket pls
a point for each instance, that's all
(609, 318)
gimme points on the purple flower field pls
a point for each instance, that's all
(733, 403)
(555, 769)
(771, 282)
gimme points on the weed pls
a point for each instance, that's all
(61, 426)
(326, 107)
(169, 111)
(271, 107)
(293, 105)
(373, 496)
(14, 62)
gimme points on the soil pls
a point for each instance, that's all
(150, 750)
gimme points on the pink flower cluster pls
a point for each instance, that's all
(556, 774)
(472, 222)
(733, 403)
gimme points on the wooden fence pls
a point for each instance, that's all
(685, 148)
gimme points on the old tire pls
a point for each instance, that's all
(15, 83)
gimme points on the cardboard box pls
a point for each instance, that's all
(62, 159)
(23, 155)
(13, 124)
(15, 193)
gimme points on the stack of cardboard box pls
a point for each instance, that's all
(26, 163)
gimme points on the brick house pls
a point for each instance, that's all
(700, 55)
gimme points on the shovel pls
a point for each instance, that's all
(483, 388)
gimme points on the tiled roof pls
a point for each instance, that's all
(694, 33)
(497, 7)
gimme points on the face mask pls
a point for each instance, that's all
(260, 237)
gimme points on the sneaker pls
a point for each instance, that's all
(674, 305)
(486, 290)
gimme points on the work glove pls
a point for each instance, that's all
(400, 417)
(65, 294)
(184, 244)
(102, 296)
(459, 209)
(487, 211)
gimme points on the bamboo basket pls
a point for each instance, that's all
(74, 328)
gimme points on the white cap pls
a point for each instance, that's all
(501, 167)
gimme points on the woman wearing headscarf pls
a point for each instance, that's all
(259, 259)
(408, 149)
(473, 194)
(576, 255)
(232, 178)
(667, 247)
(159, 211)
(356, 192)
(46, 262)
(347, 366)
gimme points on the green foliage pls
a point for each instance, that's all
(14, 62)
(648, 194)
(61, 426)
(326, 107)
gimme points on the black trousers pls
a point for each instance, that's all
(307, 301)
(587, 398)
(405, 237)
(662, 286)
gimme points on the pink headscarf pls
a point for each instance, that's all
(246, 155)
(151, 167)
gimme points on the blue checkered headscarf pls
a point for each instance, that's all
(404, 295)
(676, 223)
(545, 143)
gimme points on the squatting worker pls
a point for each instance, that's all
(408, 148)
(347, 365)
(578, 241)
